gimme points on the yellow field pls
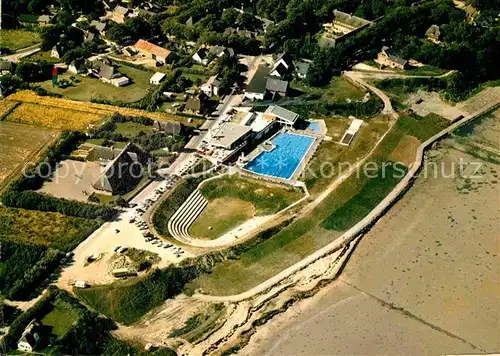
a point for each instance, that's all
(6, 106)
(97, 110)
(53, 117)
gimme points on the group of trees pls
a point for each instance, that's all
(469, 49)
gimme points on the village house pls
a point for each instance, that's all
(152, 51)
(29, 338)
(197, 105)
(433, 34)
(211, 86)
(388, 59)
(282, 67)
(99, 26)
(276, 87)
(6, 67)
(204, 54)
(119, 14)
(122, 171)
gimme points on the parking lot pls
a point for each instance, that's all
(128, 230)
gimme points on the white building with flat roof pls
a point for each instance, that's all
(157, 78)
(282, 115)
(229, 135)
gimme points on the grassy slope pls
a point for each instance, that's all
(60, 320)
(266, 198)
(17, 39)
(306, 235)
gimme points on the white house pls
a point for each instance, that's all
(30, 338)
(157, 78)
(211, 87)
(81, 284)
(120, 81)
(282, 66)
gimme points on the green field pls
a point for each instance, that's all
(308, 234)
(60, 320)
(17, 39)
(92, 88)
(339, 89)
(331, 159)
(43, 228)
(132, 129)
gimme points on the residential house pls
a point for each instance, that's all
(386, 58)
(201, 56)
(33, 20)
(433, 33)
(301, 68)
(43, 20)
(152, 51)
(99, 26)
(56, 51)
(119, 14)
(108, 74)
(157, 78)
(197, 105)
(211, 87)
(276, 87)
(88, 36)
(123, 172)
(6, 67)
(282, 67)
(256, 89)
(169, 127)
(29, 338)
(204, 54)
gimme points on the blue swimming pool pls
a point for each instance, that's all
(283, 160)
(314, 126)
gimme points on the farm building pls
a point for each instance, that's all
(342, 26)
(152, 51)
(122, 173)
(157, 78)
(386, 58)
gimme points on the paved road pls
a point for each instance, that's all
(23, 52)
(354, 231)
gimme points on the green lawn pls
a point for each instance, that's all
(17, 39)
(132, 129)
(60, 320)
(267, 198)
(221, 216)
(92, 88)
(424, 70)
(42, 56)
(308, 234)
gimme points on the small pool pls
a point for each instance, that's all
(314, 126)
(284, 159)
